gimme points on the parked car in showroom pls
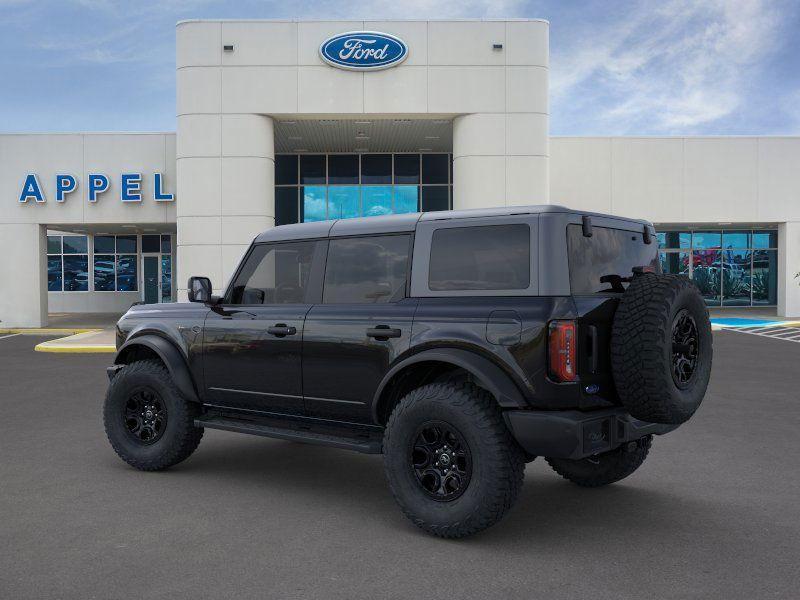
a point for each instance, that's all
(460, 345)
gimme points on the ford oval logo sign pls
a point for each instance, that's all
(363, 50)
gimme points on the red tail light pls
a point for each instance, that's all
(561, 350)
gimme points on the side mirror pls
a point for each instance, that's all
(199, 289)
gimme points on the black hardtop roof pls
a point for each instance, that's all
(407, 222)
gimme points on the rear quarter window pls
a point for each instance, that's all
(606, 253)
(490, 257)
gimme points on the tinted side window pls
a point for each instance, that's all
(608, 252)
(366, 270)
(274, 274)
(490, 257)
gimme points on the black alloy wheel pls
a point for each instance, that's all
(145, 416)
(441, 461)
(685, 348)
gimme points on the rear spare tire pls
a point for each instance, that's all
(661, 348)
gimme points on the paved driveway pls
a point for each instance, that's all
(713, 513)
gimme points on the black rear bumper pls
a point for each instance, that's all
(574, 434)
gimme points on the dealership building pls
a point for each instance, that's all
(290, 121)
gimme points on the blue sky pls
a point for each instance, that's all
(670, 67)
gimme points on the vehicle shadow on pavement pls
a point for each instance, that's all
(549, 514)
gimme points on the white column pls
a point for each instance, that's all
(226, 178)
(788, 266)
(23, 302)
(500, 160)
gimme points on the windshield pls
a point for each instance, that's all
(603, 263)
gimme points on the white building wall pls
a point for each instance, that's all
(691, 180)
(23, 275)
(275, 71)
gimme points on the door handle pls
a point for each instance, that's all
(282, 330)
(383, 333)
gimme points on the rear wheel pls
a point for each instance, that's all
(451, 463)
(600, 470)
(149, 423)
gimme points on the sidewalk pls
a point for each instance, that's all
(83, 333)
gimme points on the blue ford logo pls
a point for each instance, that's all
(363, 50)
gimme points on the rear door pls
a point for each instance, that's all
(253, 339)
(361, 326)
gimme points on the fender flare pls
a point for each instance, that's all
(170, 355)
(493, 378)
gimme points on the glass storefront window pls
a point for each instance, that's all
(706, 274)
(104, 244)
(707, 239)
(166, 278)
(54, 244)
(76, 273)
(286, 169)
(377, 200)
(676, 263)
(166, 244)
(406, 199)
(765, 239)
(104, 272)
(406, 168)
(736, 239)
(736, 278)
(312, 168)
(286, 205)
(151, 243)
(313, 203)
(765, 277)
(343, 202)
(126, 244)
(54, 276)
(743, 272)
(435, 197)
(674, 239)
(75, 244)
(376, 168)
(126, 274)
(434, 168)
(359, 185)
(343, 168)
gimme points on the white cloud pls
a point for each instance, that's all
(669, 66)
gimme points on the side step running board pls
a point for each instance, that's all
(367, 443)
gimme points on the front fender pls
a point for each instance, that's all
(492, 377)
(170, 355)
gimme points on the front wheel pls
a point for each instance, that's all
(149, 423)
(606, 468)
(451, 463)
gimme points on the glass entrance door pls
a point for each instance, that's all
(152, 281)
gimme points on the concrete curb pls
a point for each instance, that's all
(96, 349)
(46, 331)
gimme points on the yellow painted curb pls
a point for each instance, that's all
(44, 347)
(46, 331)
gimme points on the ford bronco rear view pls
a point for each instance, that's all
(458, 344)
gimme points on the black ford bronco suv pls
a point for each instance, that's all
(460, 345)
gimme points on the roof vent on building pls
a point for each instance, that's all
(228, 47)
(497, 46)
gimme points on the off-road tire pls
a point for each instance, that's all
(498, 463)
(600, 470)
(642, 348)
(180, 436)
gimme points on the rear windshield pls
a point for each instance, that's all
(490, 257)
(608, 253)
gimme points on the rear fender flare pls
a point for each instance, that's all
(493, 378)
(172, 358)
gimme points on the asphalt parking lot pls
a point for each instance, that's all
(713, 513)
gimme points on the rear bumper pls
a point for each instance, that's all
(574, 434)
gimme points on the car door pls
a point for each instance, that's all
(361, 326)
(252, 340)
